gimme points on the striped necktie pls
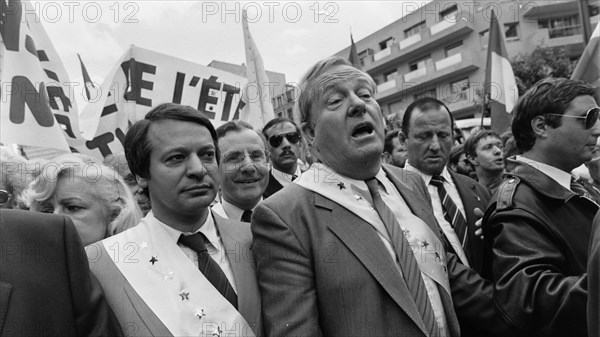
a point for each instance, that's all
(451, 211)
(209, 267)
(408, 263)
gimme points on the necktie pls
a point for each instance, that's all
(294, 177)
(408, 264)
(451, 211)
(209, 267)
(246, 216)
(578, 188)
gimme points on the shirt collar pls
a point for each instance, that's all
(286, 176)
(558, 175)
(208, 229)
(234, 212)
(427, 177)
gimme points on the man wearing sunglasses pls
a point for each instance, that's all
(283, 138)
(538, 225)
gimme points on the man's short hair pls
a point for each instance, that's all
(473, 140)
(233, 126)
(310, 92)
(388, 146)
(455, 153)
(276, 121)
(423, 104)
(552, 95)
(137, 145)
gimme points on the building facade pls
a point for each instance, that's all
(440, 49)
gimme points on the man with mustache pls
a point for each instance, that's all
(283, 138)
(243, 170)
(352, 248)
(182, 271)
(428, 125)
(538, 226)
(484, 152)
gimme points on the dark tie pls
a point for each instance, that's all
(578, 188)
(246, 216)
(408, 263)
(294, 177)
(209, 267)
(451, 211)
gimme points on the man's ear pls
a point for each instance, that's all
(472, 160)
(141, 181)
(386, 158)
(538, 125)
(308, 131)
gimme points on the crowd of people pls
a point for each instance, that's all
(197, 231)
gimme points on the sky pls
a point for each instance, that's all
(290, 35)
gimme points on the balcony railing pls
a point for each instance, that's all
(409, 77)
(564, 31)
(386, 85)
(448, 61)
(442, 25)
(409, 41)
(383, 53)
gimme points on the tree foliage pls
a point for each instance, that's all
(542, 62)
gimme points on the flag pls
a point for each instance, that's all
(38, 106)
(256, 91)
(353, 58)
(86, 79)
(500, 83)
(587, 68)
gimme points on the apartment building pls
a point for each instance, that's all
(440, 49)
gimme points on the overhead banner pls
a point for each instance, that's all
(142, 79)
(37, 106)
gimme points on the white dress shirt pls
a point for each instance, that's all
(228, 210)
(438, 209)
(285, 178)
(558, 175)
(215, 248)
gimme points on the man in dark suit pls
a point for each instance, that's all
(593, 270)
(283, 139)
(45, 283)
(182, 271)
(428, 125)
(333, 258)
(538, 226)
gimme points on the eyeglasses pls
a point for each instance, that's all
(236, 157)
(591, 117)
(4, 197)
(292, 137)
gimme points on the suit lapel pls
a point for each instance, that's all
(5, 292)
(362, 240)
(240, 258)
(467, 193)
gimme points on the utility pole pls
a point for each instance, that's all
(584, 15)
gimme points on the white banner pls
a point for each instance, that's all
(142, 79)
(37, 105)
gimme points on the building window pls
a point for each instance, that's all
(419, 64)
(290, 114)
(454, 48)
(511, 31)
(279, 101)
(484, 36)
(363, 55)
(414, 30)
(386, 43)
(427, 93)
(290, 96)
(449, 14)
(561, 26)
(460, 89)
(280, 114)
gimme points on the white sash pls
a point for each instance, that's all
(173, 287)
(356, 198)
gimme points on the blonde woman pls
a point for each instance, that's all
(94, 196)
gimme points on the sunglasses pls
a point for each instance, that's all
(591, 117)
(292, 137)
(4, 197)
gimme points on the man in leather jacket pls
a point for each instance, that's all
(538, 225)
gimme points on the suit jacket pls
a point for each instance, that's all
(473, 195)
(322, 270)
(272, 187)
(593, 304)
(46, 288)
(136, 317)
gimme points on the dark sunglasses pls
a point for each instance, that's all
(292, 137)
(4, 197)
(591, 116)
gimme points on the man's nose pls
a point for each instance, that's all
(357, 105)
(195, 166)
